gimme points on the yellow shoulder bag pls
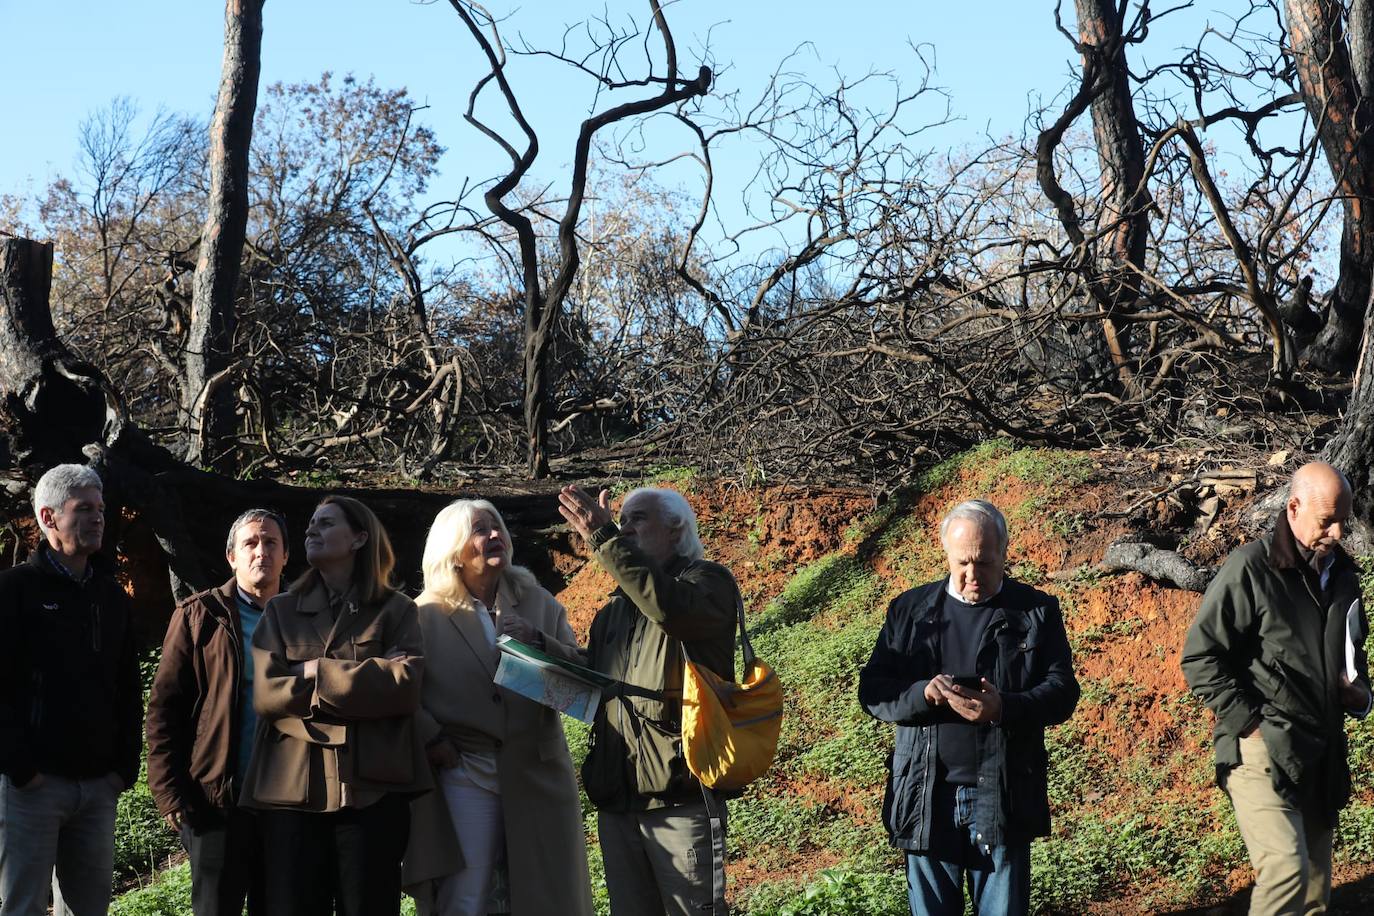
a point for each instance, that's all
(729, 730)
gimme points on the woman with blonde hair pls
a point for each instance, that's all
(336, 685)
(506, 785)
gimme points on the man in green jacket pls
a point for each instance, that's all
(662, 837)
(1277, 653)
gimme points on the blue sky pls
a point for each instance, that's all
(64, 60)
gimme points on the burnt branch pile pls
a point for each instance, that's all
(1165, 253)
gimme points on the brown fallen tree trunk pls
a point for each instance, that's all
(56, 407)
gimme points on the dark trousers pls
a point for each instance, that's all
(226, 863)
(346, 862)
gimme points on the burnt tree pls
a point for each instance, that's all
(1111, 256)
(207, 399)
(1334, 58)
(542, 305)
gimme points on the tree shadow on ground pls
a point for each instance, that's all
(1354, 898)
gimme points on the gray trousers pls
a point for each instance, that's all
(59, 834)
(663, 862)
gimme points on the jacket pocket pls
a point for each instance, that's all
(382, 750)
(656, 753)
(903, 797)
(551, 741)
(1022, 654)
(906, 801)
(1282, 701)
(1028, 806)
(281, 769)
(364, 649)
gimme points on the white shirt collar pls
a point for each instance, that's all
(949, 590)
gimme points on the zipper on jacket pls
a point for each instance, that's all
(235, 695)
(95, 630)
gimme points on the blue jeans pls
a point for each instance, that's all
(60, 833)
(998, 877)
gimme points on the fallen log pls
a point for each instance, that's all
(1158, 564)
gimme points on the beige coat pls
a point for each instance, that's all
(348, 736)
(545, 843)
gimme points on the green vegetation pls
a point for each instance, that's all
(1096, 857)
(675, 476)
(142, 841)
(835, 892)
(169, 895)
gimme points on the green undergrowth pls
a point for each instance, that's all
(143, 841)
(168, 895)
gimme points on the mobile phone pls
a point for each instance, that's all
(969, 681)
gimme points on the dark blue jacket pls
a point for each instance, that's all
(1025, 654)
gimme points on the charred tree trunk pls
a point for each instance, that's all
(1121, 158)
(1352, 449)
(1111, 258)
(56, 408)
(543, 307)
(208, 401)
(539, 330)
(51, 399)
(1335, 69)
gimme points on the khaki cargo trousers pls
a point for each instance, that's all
(1291, 852)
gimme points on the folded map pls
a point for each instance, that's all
(570, 688)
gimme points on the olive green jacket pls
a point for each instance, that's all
(1268, 647)
(635, 761)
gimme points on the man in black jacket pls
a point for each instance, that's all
(1277, 653)
(70, 707)
(972, 669)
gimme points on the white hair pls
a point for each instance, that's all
(447, 536)
(676, 513)
(56, 486)
(981, 512)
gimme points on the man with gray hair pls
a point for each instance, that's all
(972, 669)
(662, 833)
(201, 721)
(70, 707)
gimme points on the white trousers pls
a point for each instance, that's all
(481, 829)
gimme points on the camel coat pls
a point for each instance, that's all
(348, 736)
(545, 843)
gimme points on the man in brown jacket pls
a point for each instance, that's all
(201, 720)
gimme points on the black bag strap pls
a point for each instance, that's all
(623, 688)
(746, 647)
